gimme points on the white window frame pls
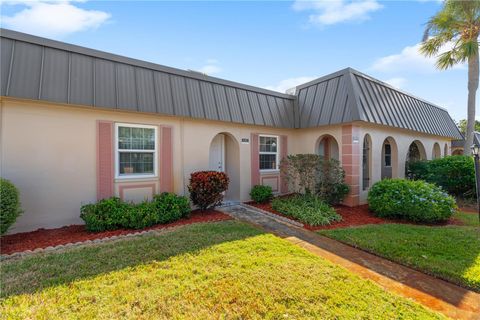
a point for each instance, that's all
(277, 153)
(117, 153)
(385, 156)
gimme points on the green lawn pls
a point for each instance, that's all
(449, 252)
(204, 271)
(467, 218)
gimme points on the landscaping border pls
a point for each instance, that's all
(77, 234)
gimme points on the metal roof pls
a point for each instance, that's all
(349, 95)
(42, 69)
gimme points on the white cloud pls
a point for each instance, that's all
(397, 82)
(337, 11)
(409, 59)
(286, 84)
(52, 18)
(210, 67)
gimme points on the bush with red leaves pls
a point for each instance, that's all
(207, 187)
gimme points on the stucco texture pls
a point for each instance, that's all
(49, 152)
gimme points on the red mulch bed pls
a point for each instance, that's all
(43, 238)
(351, 216)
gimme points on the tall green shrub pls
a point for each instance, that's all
(313, 174)
(9, 205)
(455, 174)
(417, 201)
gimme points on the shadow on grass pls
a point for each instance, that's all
(35, 273)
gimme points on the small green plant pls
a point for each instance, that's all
(113, 213)
(416, 201)
(309, 209)
(9, 205)
(261, 194)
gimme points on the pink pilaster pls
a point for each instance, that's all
(351, 163)
(283, 154)
(166, 159)
(254, 161)
(105, 167)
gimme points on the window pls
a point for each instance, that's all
(388, 155)
(136, 151)
(268, 152)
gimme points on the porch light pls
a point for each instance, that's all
(475, 149)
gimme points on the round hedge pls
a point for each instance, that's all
(416, 201)
(9, 205)
(261, 194)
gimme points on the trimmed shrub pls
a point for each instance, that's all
(331, 186)
(113, 213)
(308, 209)
(106, 214)
(261, 194)
(9, 205)
(455, 174)
(416, 201)
(314, 174)
(206, 188)
(170, 207)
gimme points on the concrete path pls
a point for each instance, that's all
(449, 299)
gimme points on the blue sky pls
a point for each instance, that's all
(276, 45)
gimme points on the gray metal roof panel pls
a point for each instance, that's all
(195, 98)
(6, 59)
(145, 90)
(105, 84)
(81, 80)
(126, 87)
(222, 103)
(55, 77)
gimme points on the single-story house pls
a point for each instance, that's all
(78, 125)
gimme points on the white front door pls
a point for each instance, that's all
(217, 153)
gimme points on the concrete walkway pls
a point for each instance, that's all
(449, 299)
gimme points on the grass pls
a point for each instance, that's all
(467, 218)
(204, 271)
(307, 209)
(449, 252)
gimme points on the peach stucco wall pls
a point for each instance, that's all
(49, 152)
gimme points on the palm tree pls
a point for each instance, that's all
(457, 28)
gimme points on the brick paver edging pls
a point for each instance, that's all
(274, 216)
(70, 245)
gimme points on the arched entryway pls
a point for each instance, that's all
(366, 162)
(436, 152)
(389, 159)
(416, 152)
(225, 157)
(327, 147)
(457, 152)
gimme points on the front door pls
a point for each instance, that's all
(217, 153)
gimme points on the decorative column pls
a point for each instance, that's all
(351, 163)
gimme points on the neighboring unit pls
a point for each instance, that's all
(80, 125)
